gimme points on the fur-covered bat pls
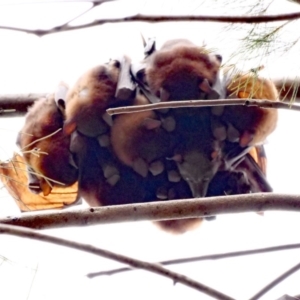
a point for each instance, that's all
(180, 70)
(253, 124)
(95, 91)
(102, 179)
(45, 147)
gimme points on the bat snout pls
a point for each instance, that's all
(199, 189)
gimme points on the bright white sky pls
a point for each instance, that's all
(32, 64)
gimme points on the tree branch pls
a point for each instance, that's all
(203, 103)
(275, 282)
(155, 211)
(201, 258)
(154, 19)
(12, 105)
(134, 263)
(16, 104)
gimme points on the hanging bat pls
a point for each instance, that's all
(95, 91)
(102, 179)
(252, 125)
(45, 147)
(180, 70)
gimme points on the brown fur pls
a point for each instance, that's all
(42, 119)
(87, 101)
(179, 67)
(131, 140)
(179, 226)
(254, 123)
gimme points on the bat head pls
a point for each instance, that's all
(182, 71)
(197, 169)
(45, 147)
(88, 100)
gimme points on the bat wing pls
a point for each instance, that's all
(254, 165)
(258, 153)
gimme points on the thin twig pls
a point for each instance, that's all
(264, 103)
(135, 263)
(93, 5)
(17, 104)
(155, 211)
(40, 139)
(201, 258)
(275, 282)
(154, 19)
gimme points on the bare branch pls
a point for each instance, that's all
(94, 4)
(155, 211)
(203, 103)
(16, 104)
(201, 258)
(275, 282)
(154, 19)
(135, 263)
(12, 105)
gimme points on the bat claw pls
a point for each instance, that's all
(156, 168)
(141, 167)
(174, 176)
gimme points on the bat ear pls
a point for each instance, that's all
(144, 41)
(18, 141)
(219, 57)
(60, 96)
(149, 46)
(177, 158)
(151, 124)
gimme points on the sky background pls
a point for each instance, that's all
(31, 270)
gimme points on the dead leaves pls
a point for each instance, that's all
(13, 174)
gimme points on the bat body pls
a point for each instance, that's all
(102, 179)
(48, 157)
(89, 98)
(180, 70)
(139, 139)
(254, 124)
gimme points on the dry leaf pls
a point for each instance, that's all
(13, 174)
